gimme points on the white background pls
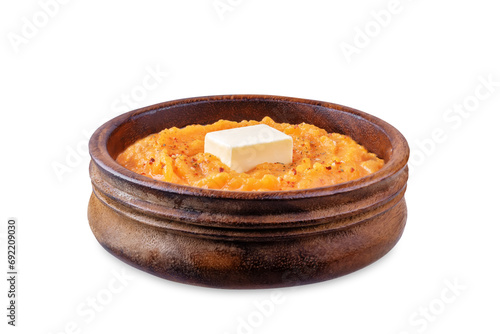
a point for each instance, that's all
(60, 80)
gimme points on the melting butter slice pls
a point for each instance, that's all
(241, 149)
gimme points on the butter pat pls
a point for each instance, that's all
(241, 149)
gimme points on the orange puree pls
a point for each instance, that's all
(319, 159)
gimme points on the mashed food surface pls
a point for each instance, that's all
(319, 159)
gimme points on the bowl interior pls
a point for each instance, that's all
(363, 128)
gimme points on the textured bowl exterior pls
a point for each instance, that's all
(231, 239)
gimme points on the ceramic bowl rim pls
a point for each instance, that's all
(100, 155)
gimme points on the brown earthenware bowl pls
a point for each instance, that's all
(236, 239)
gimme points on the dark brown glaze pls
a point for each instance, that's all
(235, 239)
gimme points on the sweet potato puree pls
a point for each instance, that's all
(319, 159)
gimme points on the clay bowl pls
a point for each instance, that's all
(236, 239)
